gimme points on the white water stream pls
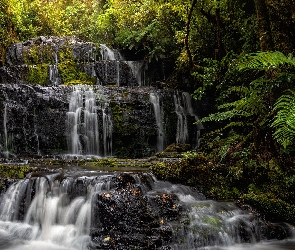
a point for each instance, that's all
(42, 214)
(83, 123)
(158, 111)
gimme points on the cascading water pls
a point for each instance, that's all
(187, 100)
(182, 135)
(107, 125)
(7, 147)
(138, 71)
(155, 100)
(73, 122)
(83, 122)
(183, 110)
(91, 134)
(51, 219)
(108, 54)
(137, 67)
(5, 131)
(54, 77)
(96, 210)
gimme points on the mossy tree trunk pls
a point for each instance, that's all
(276, 20)
(265, 36)
(282, 22)
(186, 40)
(219, 52)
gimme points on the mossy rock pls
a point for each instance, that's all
(178, 147)
(38, 54)
(78, 82)
(38, 74)
(15, 172)
(274, 209)
(168, 155)
(71, 74)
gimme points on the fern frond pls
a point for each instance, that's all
(237, 89)
(219, 116)
(222, 116)
(234, 124)
(284, 122)
(264, 61)
(252, 104)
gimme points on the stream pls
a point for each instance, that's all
(85, 209)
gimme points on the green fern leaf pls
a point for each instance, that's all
(284, 122)
(264, 61)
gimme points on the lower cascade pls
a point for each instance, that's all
(67, 210)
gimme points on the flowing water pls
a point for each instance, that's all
(83, 123)
(60, 210)
(54, 77)
(158, 111)
(184, 110)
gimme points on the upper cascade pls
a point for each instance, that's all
(60, 95)
(55, 60)
(50, 50)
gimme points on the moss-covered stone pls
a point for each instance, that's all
(15, 172)
(38, 74)
(72, 75)
(178, 147)
(128, 143)
(273, 208)
(38, 54)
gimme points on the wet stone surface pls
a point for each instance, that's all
(127, 217)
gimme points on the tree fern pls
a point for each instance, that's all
(251, 87)
(249, 105)
(284, 122)
(263, 61)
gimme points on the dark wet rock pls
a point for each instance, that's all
(130, 218)
(36, 120)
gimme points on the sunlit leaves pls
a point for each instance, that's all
(148, 25)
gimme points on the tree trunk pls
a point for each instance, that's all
(265, 36)
(282, 16)
(186, 40)
(219, 52)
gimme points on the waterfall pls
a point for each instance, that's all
(7, 149)
(187, 100)
(118, 73)
(74, 121)
(183, 110)
(107, 132)
(136, 67)
(5, 132)
(73, 210)
(91, 134)
(83, 122)
(182, 135)
(54, 77)
(107, 53)
(155, 100)
(52, 219)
